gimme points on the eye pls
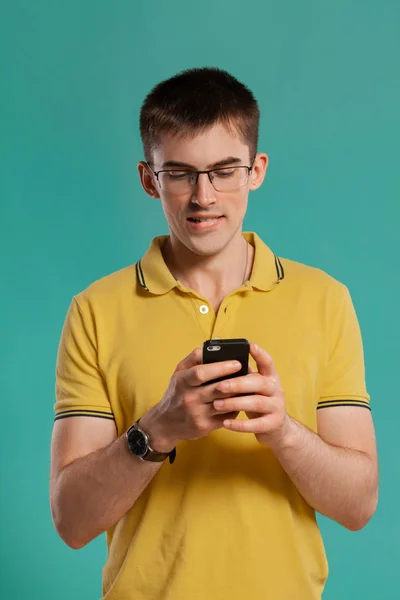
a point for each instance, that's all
(178, 174)
(224, 173)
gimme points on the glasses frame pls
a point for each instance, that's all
(196, 174)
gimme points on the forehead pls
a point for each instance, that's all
(202, 149)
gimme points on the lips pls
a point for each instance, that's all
(204, 224)
(204, 219)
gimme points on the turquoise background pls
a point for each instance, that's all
(73, 76)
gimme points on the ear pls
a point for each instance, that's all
(259, 170)
(148, 180)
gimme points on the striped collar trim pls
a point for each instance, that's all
(154, 276)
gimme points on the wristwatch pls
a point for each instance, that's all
(139, 445)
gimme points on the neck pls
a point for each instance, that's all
(212, 276)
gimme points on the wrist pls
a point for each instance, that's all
(158, 439)
(288, 437)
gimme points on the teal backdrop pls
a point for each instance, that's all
(73, 76)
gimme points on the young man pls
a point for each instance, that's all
(233, 514)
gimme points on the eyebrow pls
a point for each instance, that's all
(230, 160)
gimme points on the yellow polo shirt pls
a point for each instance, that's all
(224, 521)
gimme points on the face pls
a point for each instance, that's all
(217, 146)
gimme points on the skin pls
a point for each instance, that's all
(336, 470)
(207, 262)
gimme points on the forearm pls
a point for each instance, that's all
(93, 492)
(338, 482)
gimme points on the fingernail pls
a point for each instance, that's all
(218, 403)
(223, 386)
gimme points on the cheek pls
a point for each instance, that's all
(240, 203)
(173, 206)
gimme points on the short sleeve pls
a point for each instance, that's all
(80, 387)
(344, 382)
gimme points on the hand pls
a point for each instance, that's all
(186, 410)
(263, 401)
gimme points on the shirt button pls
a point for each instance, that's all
(204, 309)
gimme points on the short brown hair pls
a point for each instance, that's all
(195, 99)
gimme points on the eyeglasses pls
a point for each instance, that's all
(223, 179)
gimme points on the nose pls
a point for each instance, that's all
(203, 191)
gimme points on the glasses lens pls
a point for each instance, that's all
(175, 182)
(223, 180)
(227, 180)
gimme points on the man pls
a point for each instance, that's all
(232, 515)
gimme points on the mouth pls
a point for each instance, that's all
(205, 224)
(204, 219)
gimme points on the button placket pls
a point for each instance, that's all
(226, 316)
(204, 315)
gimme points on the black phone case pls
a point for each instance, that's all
(227, 349)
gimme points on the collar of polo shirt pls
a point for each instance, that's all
(154, 276)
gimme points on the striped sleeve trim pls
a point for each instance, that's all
(77, 412)
(343, 402)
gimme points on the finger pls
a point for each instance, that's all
(220, 418)
(203, 373)
(253, 383)
(264, 362)
(193, 359)
(254, 403)
(259, 425)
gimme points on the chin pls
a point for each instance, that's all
(209, 244)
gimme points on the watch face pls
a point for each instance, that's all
(137, 443)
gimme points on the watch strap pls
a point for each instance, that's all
(151, 454)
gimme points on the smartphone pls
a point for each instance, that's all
(227, 349)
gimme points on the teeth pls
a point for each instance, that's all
(201, 220)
